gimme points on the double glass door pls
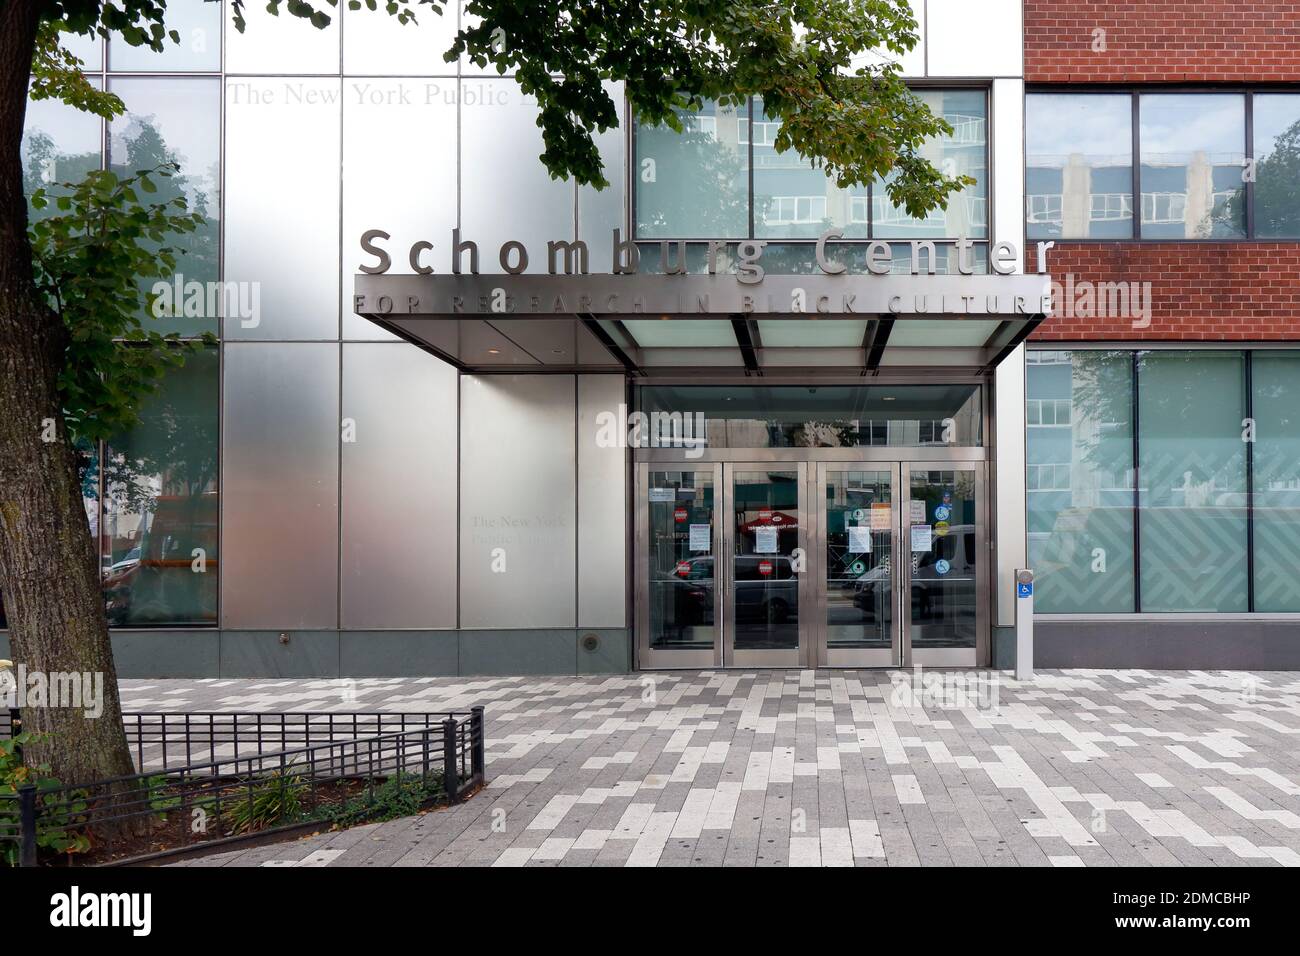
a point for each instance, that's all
(810, 563)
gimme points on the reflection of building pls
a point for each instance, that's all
(426, 493)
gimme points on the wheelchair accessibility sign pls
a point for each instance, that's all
(1024, 589)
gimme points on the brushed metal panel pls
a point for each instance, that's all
(399, 175)
(974, 39)
(280, 431)
(282, 204)
(603, 516)
(1007, 150)
(398, 488)
(518, 501)
(1010, 533)
(506, 192)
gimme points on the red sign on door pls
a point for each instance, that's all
(764, 514)
(765, 568)
(683, 569)
(679, 515)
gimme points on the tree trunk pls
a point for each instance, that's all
(49, 571)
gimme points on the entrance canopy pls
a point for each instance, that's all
(661, 325)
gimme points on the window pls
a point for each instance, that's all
(1275, 388)
(159, 539)
(176, 119)
(722, 178)
(693, 184)
(1193, 160)
(1277, 165)
(829, 416)
(1198, 176)
(1192, 466)
(1078, 479)
(198, 22)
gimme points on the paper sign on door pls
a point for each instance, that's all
(765, 541)
(663, 494)
(699, 537)
(880, 516)
(859, 540)
(921, 538)
(917, 512)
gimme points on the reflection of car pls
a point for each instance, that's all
(955, 583)
(767, 597)
(157, 579)
(691, 585)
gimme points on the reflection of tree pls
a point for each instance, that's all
(160, 485)
(1277, 187)
(145, 148)
(47, 165)
(695, 181)
(1102, 394)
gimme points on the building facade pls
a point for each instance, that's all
(467, 419)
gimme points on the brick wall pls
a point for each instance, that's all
(1157, 42)
(1199, 290)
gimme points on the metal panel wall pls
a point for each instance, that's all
(397, 566)
(1008, 471)
(280, 437)
(974, 39)
(518, 501)
(1009, 480)
(282, 204)
(399, 175)
(506, 192)
(602, 507)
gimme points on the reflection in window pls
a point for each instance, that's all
(837, 416)
(1277, 165)
(964, 153)
(1079, 479)
(160, 504)
(198, 22)
(694, 184)
(61, 144)
(176, 119)
(1192, 502)
(1078, 166)
(794, 199)
(1275, 381)
(1193, 156)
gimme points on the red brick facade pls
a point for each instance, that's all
(1150, 41)
(1199, 291)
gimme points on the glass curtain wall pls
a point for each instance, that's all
(722, 178)
(1164, 480)
(152, 493)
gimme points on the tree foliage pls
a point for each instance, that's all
(89, 258)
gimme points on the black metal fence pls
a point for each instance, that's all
(220, 777)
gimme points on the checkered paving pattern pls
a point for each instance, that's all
(831, 768)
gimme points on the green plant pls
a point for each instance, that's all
(270, 802)
(401, 795)
(55, 830)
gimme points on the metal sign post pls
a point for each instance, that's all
(1024, 624)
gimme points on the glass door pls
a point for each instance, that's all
(856, 599)
(763, 572)
(944, 607)
(677, 544)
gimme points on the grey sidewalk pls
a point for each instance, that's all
(1091, 768)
